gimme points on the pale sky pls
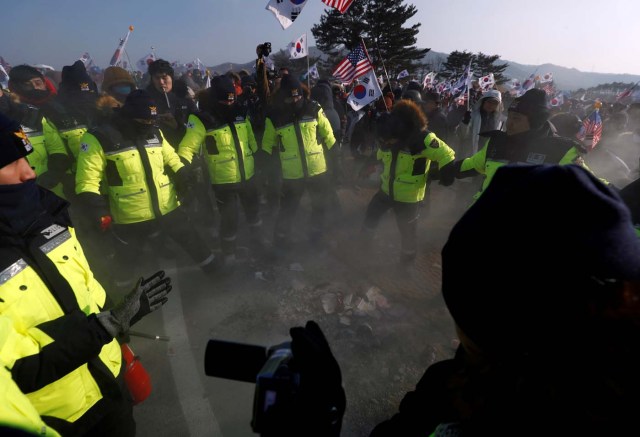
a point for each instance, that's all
(590, 35)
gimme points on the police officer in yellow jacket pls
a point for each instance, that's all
(529, 139)
(229, 146)
(129, 155)
(50, 159)
(407, 152)
(60, 347)
(303, 134)
(17, 415)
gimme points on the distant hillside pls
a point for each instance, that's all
(566, 79)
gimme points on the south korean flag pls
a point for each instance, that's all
(366, 91)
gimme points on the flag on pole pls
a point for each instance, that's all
(207, 84)
(115, 59)
(463, 82)
(366, 91)
(313, 72)
(356, 64)
(592, 129)
(143, 63)
(546, 78)
(286, 11)
(403, 74)
(86, 60)
(4, 76)
(429, 80)
(529, 83)
(487, 82)
(298, 48)
(341, 5)
(557, 100)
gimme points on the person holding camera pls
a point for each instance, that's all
(299, 129)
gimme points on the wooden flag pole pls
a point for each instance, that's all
(384, 68)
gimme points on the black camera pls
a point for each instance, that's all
(264, 49)
(276, 383)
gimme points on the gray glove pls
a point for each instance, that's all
(148, 295)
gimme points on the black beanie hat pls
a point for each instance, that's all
(139, 104)
(547, 232)
(534, 105)
(23, 73)
(290, 86)
(14, 143)
(160, 66)
(222, 89)
(75, 77)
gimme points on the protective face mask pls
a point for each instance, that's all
(123, 90)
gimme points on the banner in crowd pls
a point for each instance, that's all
(287, 11)
(429, 80)
(366, 91)
(298, 48)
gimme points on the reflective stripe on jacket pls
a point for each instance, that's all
(54, 352)
(229, 147)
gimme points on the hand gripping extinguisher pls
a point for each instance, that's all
(135, 375)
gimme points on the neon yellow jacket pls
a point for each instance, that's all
(301, 155)
(229, 148)
(406, 167)
(133, 172)
(499, 150)
(54, 337)
(16, 410)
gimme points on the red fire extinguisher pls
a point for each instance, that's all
(135, 375)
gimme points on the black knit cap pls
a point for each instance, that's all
(75, 77)
(139, 104)
(549, 235)
(160, 66)
(534, 105)
(14, 143)
(222, 89)
(290, 86)
(23, 73)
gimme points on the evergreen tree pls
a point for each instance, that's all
(481, 65)
(380, 24)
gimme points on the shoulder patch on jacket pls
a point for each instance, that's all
(84, 147)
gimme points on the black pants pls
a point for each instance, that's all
(227, 196)
(292, 191)
(131, 239)
(406, 217)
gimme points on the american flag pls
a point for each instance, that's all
(592, 126)
(341, 5)
(353, 66)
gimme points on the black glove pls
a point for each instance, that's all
(48, 180)
(448, 173)
(147, 296)
(185, 185)
(321, 400)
